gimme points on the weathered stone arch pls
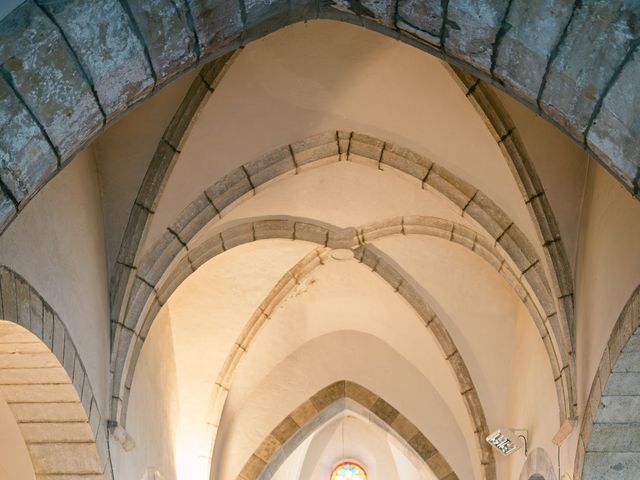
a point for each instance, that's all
(144, 287)
(62, 83)
(61, 423)
(609, 442)
(323, 406)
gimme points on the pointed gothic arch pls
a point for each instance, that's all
(480, 95)
(323, 406)
(238, 233)
(404, 285)
(146, 286)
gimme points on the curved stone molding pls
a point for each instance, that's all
(286, 227)
(481, 97)
(250, 330)
(576, 66)
(404, 285)
(329, 237)
(537, 466)
(326, 235)
(508, 138)
(323, 406)
(486, 103)
(149, 289)
(22, 305)
(608, 443)
(401, 283)
(157, 174)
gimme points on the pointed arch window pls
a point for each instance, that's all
(348, 471)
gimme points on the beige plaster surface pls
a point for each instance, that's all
(531, 402)
(123, 153)
(365, 359)
(608, 268)
(345, 296)
(319, 76)
(493, 331)
(207, 314)
(561, 165)
(57, 245)
(346, 194)
(475, 304)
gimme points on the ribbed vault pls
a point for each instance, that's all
(69, 70)
(401, 283)
(488, 105)
(172, 258)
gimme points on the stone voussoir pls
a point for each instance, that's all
(229, 189)
(454, 188)
(406, 161)
(119, 70)
(366, 146)
(270, 166)
(53, 86)
(274, 228)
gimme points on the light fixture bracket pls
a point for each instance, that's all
(508, 441)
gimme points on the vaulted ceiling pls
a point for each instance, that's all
(330, 245)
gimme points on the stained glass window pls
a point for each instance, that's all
(348, 471)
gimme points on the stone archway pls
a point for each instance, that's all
(27, 325)
(47, 408)
(609, 442)
(322, 406)
(573, 62)
(402, 284)
(238, 233)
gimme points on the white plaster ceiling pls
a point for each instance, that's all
(207, 313)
